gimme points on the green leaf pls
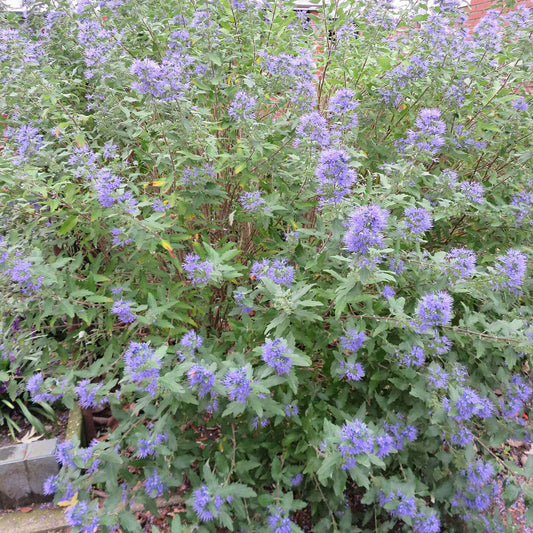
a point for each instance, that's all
(68, 225)
(242, 491)
(176, 525)
(129, 522)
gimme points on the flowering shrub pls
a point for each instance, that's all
(318, 260)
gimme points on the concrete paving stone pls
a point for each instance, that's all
(41, 463)
(14, 485)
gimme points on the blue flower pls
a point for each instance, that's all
(418, 221)
(278, 271)
(434, 309)
(275, 355)
(365, 229)
(334, 175)
(511, 267)
(202, 499)
(353, 340)
(278, 521)
(237, 384)
(199, 375)
(142, 366)
(86, 392)
(356, 439)
(122, 308)
(351, 371)
(242, 107)
(199, 272)
(153, 485)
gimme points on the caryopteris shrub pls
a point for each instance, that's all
(289, 253)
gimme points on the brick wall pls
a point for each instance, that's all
(477, 9)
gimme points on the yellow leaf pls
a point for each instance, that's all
(69, 503)
(158, 183)
(166, 245)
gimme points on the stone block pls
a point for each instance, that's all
(41, 463)
(14, 485)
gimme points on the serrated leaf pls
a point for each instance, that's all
(242, 491)
(68, 225)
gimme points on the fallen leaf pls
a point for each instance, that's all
(26, 509)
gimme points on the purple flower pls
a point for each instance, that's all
(385, 444)
(351, 371)
(198, 272)
(388, 292)
(365, 229)
(471, 404)
(122, 308)
(27, 139)
(511, 267)
(51, 485)
(153, 485)
(439, 343)
(460, 263)
(353, 340)
(428, 136)
(87, 392)
(275, 355)
(34, 387)
(34, 383)
(239, 297)
(480, 487)
(251, 202)
(355, 440)
(518, 395)
(147, 446)
(520, 104)
(242, 107)
(434, 309)
(296, 481)
(159, 206)
(291, 409)
(342, 106)
(237, 384)
(418, 221)
(20, 271)
(416, 357)
(119, 237)
(75, 515)
(259, 421)
(191, 340)
(278, 271)
(278, 521)
(472, 190)
(463, 437)
(166, 81)
(142, 366)
(313, 126)
(106, 186)
(199, 375)
(426, 523)
(405, 505)
(64, 454)
(334, 176)
(437, 377)
(523, 203)
(203, 504)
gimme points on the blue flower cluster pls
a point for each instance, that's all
(142, 366)
(278, 270)
(277, 356)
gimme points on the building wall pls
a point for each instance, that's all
(478, 8)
